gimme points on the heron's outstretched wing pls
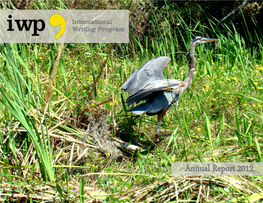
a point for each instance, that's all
(149, 72)
(151, 88)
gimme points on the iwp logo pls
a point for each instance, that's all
(26, 25)
(64, 26)
(36, 26)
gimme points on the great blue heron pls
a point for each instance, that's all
(148, 83)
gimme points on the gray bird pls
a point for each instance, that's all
(148, 83)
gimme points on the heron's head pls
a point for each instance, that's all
(201, 40)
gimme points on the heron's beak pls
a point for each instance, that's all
(211, 40)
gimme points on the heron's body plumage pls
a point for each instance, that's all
(148, 83)
(158, 101)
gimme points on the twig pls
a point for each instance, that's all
(82, 154)
(198, 197)
(53, 74)
(33, 196)
(104, 102)
(253, 66)
(101, 71)
(133, 52)
(71, 154)
(176, 192)
(232, 12)
(72, 140)
(69, 139)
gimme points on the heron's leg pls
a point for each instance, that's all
(160, 118)
(157, 133)
(159, 124)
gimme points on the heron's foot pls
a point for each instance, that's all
(157, 140)
(158, 136)
(163, 134)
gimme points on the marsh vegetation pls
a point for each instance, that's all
(48, 126)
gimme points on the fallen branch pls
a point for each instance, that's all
(232, 12)
(125, 145)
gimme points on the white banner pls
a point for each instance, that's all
(216, 169)
(64, 26)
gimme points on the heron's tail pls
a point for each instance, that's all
(140, 109)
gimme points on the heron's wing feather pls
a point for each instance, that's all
(140, 109)
(151, 88)
(152, 70)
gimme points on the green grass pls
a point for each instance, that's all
(219, 119)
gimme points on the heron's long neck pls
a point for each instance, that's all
(189, 78)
